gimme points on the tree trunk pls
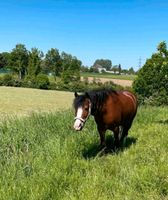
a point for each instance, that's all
(20, 74)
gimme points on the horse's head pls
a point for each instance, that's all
(82, 105)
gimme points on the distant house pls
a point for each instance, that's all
(101, 69)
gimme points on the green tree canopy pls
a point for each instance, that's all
(152, 82)
(53, 62)
(19, 60)
(131, 70)
(105, 63)
(71, 68)
(34, 62)
(4, 59)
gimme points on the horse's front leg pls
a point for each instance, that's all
(116, 137)
(102, 131)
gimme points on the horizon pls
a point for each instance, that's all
(125, 32)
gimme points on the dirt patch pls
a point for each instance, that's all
(121, 82)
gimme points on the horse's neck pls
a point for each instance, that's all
(96, 107)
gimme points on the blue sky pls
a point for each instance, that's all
(122, 31)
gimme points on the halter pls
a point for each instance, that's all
(80, 118)
(84, 120)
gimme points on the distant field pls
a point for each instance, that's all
(123, 80)
(109, 76)
(24, 101)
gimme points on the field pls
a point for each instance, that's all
(43, 158)
(109, 76)
(24, 101)
(123, 80)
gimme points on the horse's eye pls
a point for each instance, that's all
(86, 109)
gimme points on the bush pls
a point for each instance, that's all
(42, 81)
(7, 80)
(29, 82)
(157, 99)
(151, 84)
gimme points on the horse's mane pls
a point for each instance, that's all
(99, 96)
(78, 101)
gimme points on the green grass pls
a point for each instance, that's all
(2, 74)
(110, 76)
(24, 101)
(42, 157)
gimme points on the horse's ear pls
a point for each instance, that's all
(76, 94)
(87, 95)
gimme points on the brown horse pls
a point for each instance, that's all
(113, 110)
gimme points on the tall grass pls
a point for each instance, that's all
(42, 157)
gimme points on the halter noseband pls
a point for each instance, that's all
(82, 120)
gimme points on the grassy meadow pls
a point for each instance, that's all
(42, 157)
(24, 101)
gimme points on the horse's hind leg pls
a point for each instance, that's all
(125, 133)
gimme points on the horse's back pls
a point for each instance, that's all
(121, 107)
(128, 103)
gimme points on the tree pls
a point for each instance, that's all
(34, 62)
(42, 81)
(4, 59)
(115, 69)
(19, 60)
(119, 68)
(131, 70)
(152, 82)
(71, 68)
(53, 62)
(104, 63)
(84, 68)
(162, 48)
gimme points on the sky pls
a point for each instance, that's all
(125, 31)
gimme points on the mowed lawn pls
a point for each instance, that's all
(24, 101)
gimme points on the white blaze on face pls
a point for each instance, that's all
(78, 123)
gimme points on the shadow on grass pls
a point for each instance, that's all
(94, 150)
(163, 121)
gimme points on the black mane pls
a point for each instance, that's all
(78, 101)
(97, 97)
(101, 94)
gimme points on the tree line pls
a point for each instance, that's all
(26, 63)
(30, 63)
(32, 69)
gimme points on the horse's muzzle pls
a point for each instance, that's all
(78, 125)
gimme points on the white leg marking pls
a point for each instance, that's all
(120, 132)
